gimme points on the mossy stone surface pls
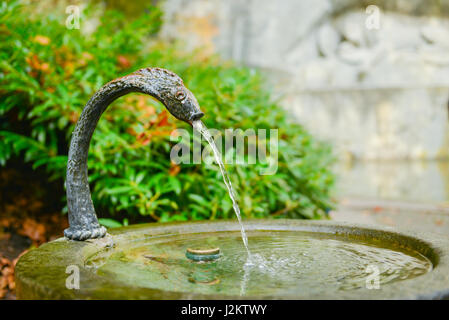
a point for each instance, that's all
(41, 273)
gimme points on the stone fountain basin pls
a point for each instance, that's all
(41, 273)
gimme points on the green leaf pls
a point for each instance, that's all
(109, 223)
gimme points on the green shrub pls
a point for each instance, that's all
(48, 72)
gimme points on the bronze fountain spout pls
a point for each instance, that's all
(163, 85)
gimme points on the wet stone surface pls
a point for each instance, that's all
(293, 259)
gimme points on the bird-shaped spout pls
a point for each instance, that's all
(163, 85)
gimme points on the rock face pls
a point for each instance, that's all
(373, 79)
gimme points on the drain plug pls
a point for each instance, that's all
(203, 254)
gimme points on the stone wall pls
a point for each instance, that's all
(374, 93)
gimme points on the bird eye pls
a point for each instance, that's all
(180, 95)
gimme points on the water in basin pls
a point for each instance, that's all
(291, 262)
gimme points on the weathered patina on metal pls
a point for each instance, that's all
(163, 85)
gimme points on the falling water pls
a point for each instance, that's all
(200, 127)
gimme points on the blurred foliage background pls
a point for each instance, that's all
(47, 74)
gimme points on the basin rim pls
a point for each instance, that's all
(33, 268)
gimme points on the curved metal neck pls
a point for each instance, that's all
(82, 218)
(162, 84)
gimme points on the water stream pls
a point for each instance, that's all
(200, 127)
